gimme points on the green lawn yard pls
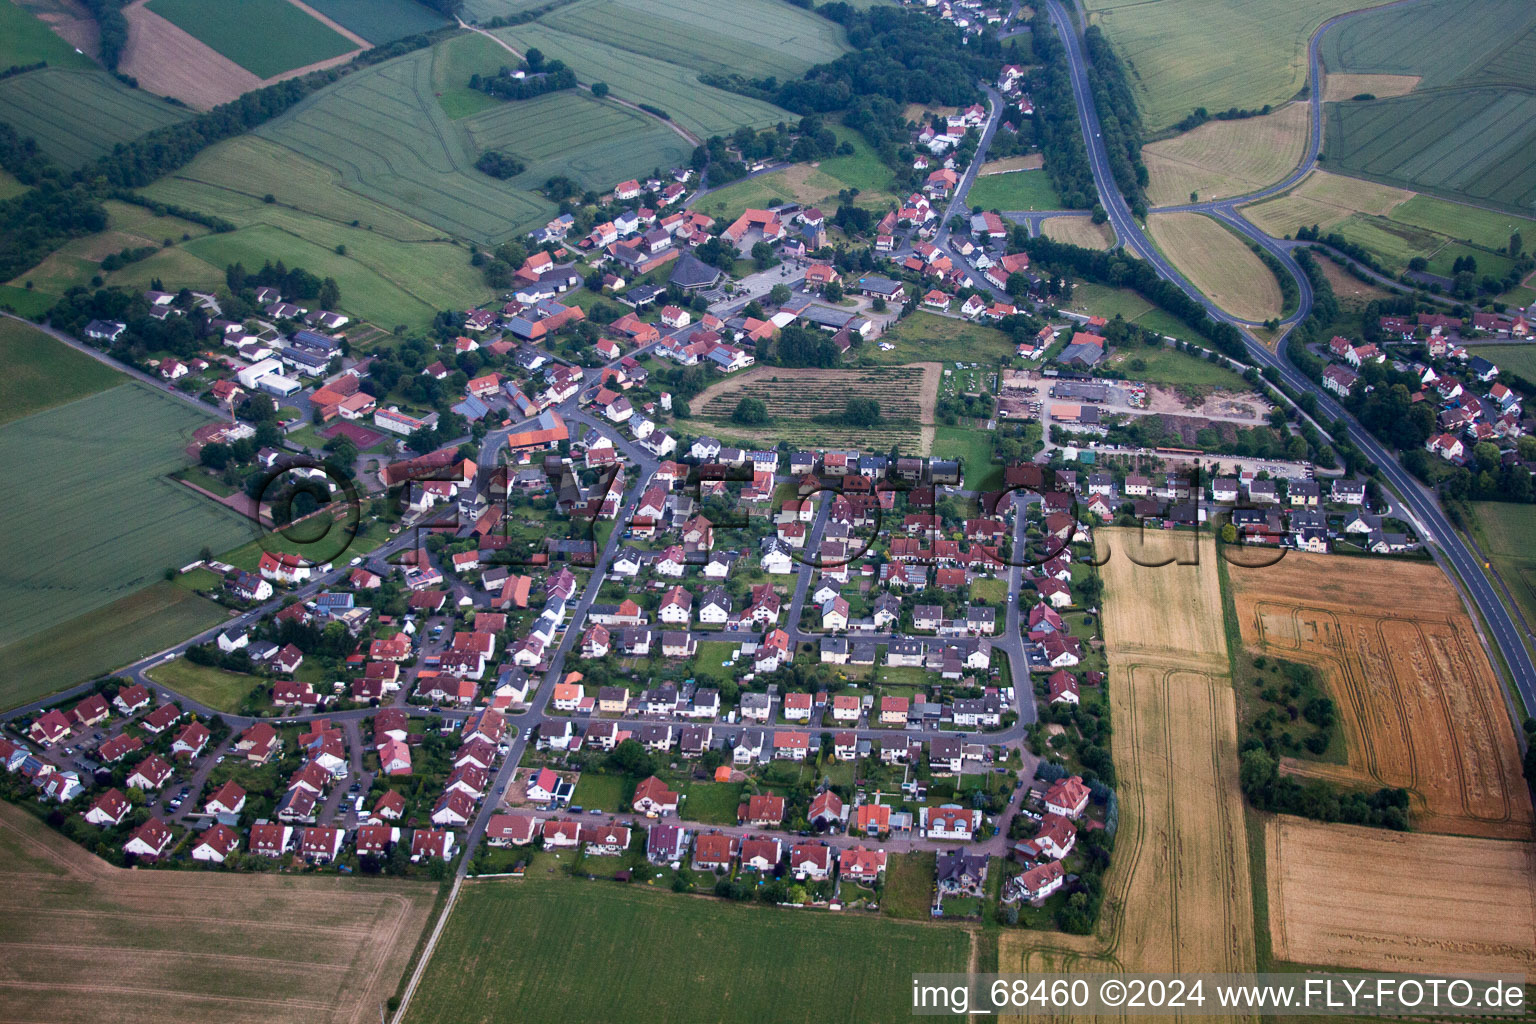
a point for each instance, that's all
(220, 690)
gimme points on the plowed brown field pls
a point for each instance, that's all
(1419, 703)
(82, 941)
(1418, 903)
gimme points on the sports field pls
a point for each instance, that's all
(91, 942)
(649, 78)
(1226, 158)
(1418, 701)
(266, 37)
(41, 372)
(104, 520)
(756, 38)
(1078, 231)
(1016, 190)
(1218, 263)
(1178, 891)
(1183, 54)
(1413, 903)
(380, 21)
(596, 951)
(794, 398)
(78, 116)
(1469, 130)
(25, 39)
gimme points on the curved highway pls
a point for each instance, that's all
(1420, 502)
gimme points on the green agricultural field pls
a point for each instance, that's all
(756, 38)
(108, 521)
(380, 21)
(28, 40)
(1469, 129)
(41, 373)
(1014, 190)
(1472, 143)
(266, 37)
(384, 136)
(575, 943)
(220, 690)
(477, 11)
(1445, 42)
(101, 640)
(924, 336)
(593, 142)
(1111, 302)
(1507, 535)
(395, 269)
(78, 116)
(648, 78)
(1486, 228)
(1183, 54)
(1520, 359)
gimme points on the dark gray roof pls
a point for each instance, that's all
(692, 272)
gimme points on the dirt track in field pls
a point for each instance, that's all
(1419, 703)
(82, 941)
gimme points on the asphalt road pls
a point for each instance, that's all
(1453, 551)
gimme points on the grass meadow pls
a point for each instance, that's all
(77, 116)
(220, 690)
(266, 37)
(599, 951)
(102, 521)
(924, 336)
(1014, 190)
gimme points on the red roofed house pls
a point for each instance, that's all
(215, 845)
(1067, 797)
(149, 840)
(653, 797)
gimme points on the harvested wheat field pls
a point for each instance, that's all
(87, 942)
(1422, 904)
(1218, 263)
(1179, 891)
(1078, 231)
(1338, 87)
(795, 399)
(1220, 159)
(1323, 199)
(1352, 292)
(1419, 703)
